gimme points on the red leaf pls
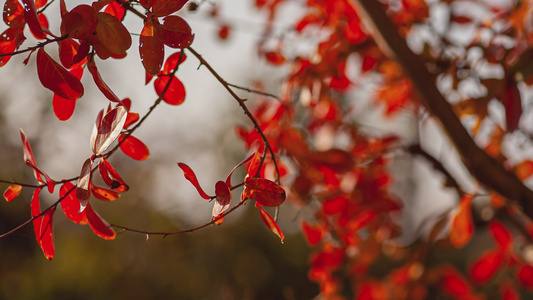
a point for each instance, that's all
(54, 77)
(80, 22)
(84, 183)
(223, 31)
(133, 147)
(116, 10)
(462, 226)
(29, 159)
(454, 284)
(161, 8)
(253, 167)
(107, 129)
(223, 200)
(111, 177)
(151, 47)
(104, 194)
(513, 106)
(484, 268)
(525, 276)
(176, 33)
(64, 108)
(172, 62)
(14, 14)
(175, 93)
(228, 180)
(67, 51)
(102, 86)
(313, 234)
(275, 58)
(112, 33)
(131, 119)
(189, 175)
(71, 205)
(500, 234)
(43, 226)
(12, 192)
(271, 223)
(508, 292)
(99, 226)
(264, 191)
(30, 14)
(10, 40)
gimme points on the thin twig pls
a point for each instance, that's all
(167, 233)
(33, 48)
(242, 105)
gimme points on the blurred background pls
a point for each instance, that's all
(240, 259)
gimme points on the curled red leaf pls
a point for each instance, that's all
(271, 223)
(99, 226)
(111, 176)
(103, 193)
(189, 175)
(107, 129)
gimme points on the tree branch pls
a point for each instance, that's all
(482, 166)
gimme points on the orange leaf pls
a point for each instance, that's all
(104, 194)
(189, 175)
(486, 266)
(264, 191)
(524, 169)
(54, 77)
(99, 226)
(133, 147)
(175, 93)
(151, 47)
(111, 176)
(271, 223)
(71, 205)
(112, 33)
(43, 226)
(30, 14)
(462, 226)
(12, 192)
(176, 33)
